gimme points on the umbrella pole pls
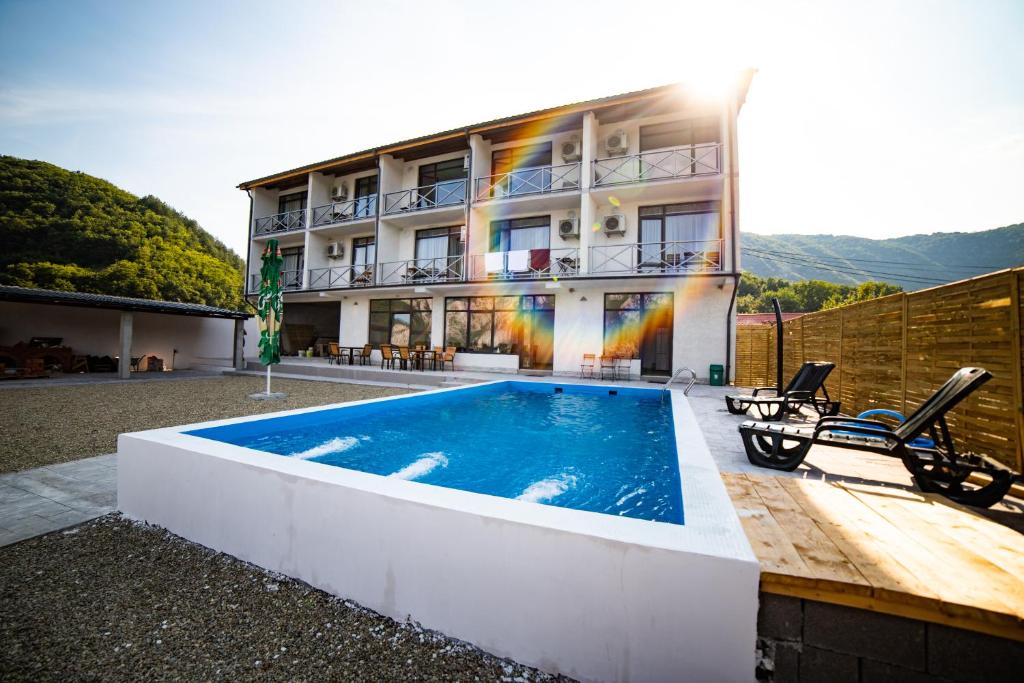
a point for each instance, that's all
(268, 380)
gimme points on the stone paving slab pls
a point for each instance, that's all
(46, 499)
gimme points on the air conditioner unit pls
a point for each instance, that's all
(465, 162)
(569, 227)
(572, 149)
(617, 143)
(339, 192)
(335, 250)
(614, 224)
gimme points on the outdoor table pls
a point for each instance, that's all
(350, 352)
(421, 357)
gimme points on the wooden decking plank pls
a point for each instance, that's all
(821, 555)
(992, 587)
(770, 542)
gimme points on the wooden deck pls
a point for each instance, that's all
(884, 549)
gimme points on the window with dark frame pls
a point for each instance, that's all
(400, 322)
(439, 249)
(366, 196)
(295, 201)
(364, 253)
(292, 263)
(521, 233)
(490, 324)
(527, 166)
(625, 316)
(670, 232)
(442, 183)
(679, 133)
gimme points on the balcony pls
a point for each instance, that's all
(529, 181)
(290, 281)
(281, 222)
(343, 212)
(338, 277)
(422, 271)
(526, 264)
(451, 193)
(655, 258)
(678, 163)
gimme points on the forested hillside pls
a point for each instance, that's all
(913, 262)
(71, 231)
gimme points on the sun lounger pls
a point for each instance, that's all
(936, 470)
(802, 390)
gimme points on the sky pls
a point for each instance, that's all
(874, 119)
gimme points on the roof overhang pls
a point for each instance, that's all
(119, 303)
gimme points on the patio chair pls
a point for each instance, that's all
(587, 366)
(624, 365)
(333, 353)
(364, 355)
(447, 357)
(609, 366)
(802, 390)
(939, 469)
(387, 356)
(403, 358)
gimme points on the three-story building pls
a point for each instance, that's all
(607, 227)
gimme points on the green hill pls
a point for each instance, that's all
(913, 262)
(71, 231)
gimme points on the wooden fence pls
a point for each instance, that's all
(893, 352)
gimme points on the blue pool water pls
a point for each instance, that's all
(572, 446)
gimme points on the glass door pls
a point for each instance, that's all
(537, 350)
(656, 334)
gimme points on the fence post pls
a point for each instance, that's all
(1018, 379)
(842, 324)
(903, 354)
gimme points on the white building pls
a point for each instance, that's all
(603, 227)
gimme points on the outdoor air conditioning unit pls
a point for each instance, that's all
(339, 192)
(569, 227)
(617, 143)
(335, 250)
(465, 162)
(614, 224)
(572, 149)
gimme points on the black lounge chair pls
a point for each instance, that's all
(935, 470)
(802, 390)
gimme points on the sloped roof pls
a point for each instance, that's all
(120, 303)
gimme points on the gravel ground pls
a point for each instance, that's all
(118, 601)
(47, 425)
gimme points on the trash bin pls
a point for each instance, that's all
(717, 375)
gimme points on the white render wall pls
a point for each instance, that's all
(201, 342)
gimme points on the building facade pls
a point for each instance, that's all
(607, 227)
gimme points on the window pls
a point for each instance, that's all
(521, 233)
(679, 133)
(671, 234)
(442, 183)
(296, 201)
(438, 250)
(291, 266)
(363, 252)
(401, 322)
(627, 318)
(366, 196)
(492, 324)
(528, 168)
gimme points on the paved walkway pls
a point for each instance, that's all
(48, 498)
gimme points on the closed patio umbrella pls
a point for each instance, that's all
(270, 307)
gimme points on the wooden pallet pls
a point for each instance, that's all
(884, 549)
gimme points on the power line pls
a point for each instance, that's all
(917, 279)
(918, 266)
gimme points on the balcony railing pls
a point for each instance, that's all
(657, 257)
(340, 212)
(527, 181)
(448, 193)
(335, 277)
(281, 222)
(680, 162)
(526, 264)
(422, 271)
(290, 279)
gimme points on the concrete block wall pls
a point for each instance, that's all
(809, 641)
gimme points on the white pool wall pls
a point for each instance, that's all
(593, 596)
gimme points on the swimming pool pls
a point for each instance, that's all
(419, 520)
(583, 447)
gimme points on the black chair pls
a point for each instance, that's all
(802, 390)
(935, 470)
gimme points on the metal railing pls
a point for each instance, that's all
(680, 162)
(448, 193)
(339, 212)
(290, 279)
(527, 181)
(422, 270)
(280, 222)
(703, 256)
(335, 277)
(534, 264)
